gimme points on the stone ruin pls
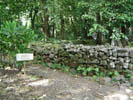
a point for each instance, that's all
(75, 55)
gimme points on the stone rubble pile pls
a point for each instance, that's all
(75, 55)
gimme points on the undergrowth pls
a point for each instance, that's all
(92, 71)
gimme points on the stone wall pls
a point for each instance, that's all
(75, 55)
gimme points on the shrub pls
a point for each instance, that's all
(14, 39)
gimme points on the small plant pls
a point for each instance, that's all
(55, 66)
(65, 68)
(96, 72)
(82, 70)
(112, 74)
(92, 71)
(127, 73)
(85, 71)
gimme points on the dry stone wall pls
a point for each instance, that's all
(75, 55)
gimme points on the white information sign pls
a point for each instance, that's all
(24, 56)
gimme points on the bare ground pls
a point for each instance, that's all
(47, 84)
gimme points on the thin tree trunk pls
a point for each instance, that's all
(45, 20)
(46, 23)
(62, 28)
(123, 40)
(33, 16)
(99, 39)
(53, 31)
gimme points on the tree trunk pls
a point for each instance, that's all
(62, 28)
(123, 40)
(45, 20)
(99, 39)
(33, 16)
(46, 23)
(53, 31)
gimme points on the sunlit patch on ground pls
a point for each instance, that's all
(44, 82)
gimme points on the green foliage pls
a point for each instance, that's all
(127, 73)
(12, 10)
(117, 34)
(96, 71)
(60, 67)
(85, 71)
(14, 39)
(112, 74)
(91, 71)
(57, 66)
(80, 18)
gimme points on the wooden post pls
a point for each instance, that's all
(24, 57)
(24, 69)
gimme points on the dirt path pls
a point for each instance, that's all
(47, 84)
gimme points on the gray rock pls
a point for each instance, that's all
(101, 54)
(95, 61)
(120, 78)
(125, 65)
(1, 73)
(131, 80)
(11, 89)
(130, 66)
(114, 52)
(104, 50)
(103, 62)
(112, 58)
(110, 52)
(122, 52)
(108, 60)
(126, 59)
(112, 65)
(119, 66)
(11, 97)
(104, 57)
(131, 52)
(3, 85)
(121, 60)
(131, 59)
(96, 54)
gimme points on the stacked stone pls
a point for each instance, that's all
(75, 55)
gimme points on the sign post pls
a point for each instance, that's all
(24, 57)
(24, 69)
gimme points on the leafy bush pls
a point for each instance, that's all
(14, 39)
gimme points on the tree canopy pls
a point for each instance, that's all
(74, 19)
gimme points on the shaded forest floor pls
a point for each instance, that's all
(46, 84)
